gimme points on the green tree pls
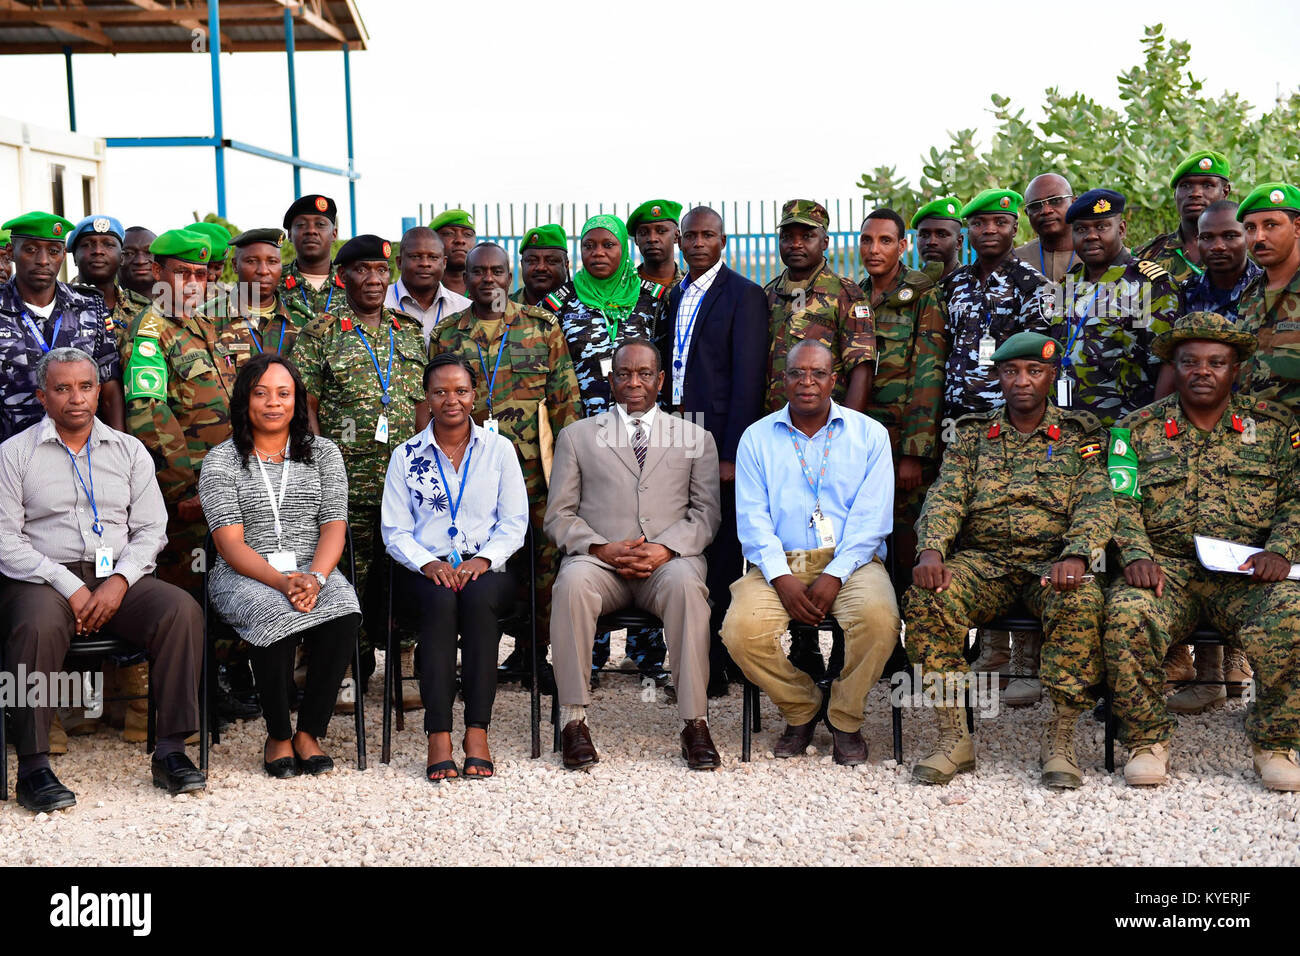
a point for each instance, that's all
(1164, 116)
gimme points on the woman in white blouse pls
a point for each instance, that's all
(454, 510)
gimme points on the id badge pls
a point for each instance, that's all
(677, 390)
(606, 366)
(988, 345)
(454, 559)
(381, 430)
(822, 527)
(1064, 391)
(282, 561)
(103, 562)
(490, 425)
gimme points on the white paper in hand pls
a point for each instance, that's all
(1216, 554)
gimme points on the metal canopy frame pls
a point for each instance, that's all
(137, 26)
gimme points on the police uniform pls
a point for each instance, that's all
(1273, 371)
(1167, 250)
(1240, 482)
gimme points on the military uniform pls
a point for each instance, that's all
(1199, 294)
(319, 301)
(1167, 251)
(1019, 503)
(1015, 298)
(1239, 482)
(833, 313)
(82, 322)
(129, 305)
(907, 390)
(1107, 328)
(252, 334)
(1273, 372)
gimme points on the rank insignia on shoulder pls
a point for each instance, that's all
(1295, 439)
(1090, 450)
(1171, 428)
(995, 430)
(1152, 270)
(345, 324)
(905, 295)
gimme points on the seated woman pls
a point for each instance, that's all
(276, 499)
(454, 510)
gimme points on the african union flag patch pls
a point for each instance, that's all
(1090, 450)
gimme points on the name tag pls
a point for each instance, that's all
(988, 345)
(381, 429)
(103, 562)
(1064, 391)
(606, 366)
(454, 559)
(1288, 326)
(282, 561)
(821, 525)
(490, 425)
(240, 347)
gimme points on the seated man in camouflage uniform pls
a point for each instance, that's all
(1204, 461)
(1024, 488)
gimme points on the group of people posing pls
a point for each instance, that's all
(1047, 426)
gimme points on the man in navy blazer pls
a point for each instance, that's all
(714, 342)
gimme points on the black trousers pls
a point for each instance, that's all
(725, 566)
(474, 613)
(329, 647)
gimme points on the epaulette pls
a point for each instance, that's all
(82, 289)
(1152, 270)
(1155, 412)
(1026, 278)
(1274, 410)
(1086, 420)
(654, 288)
(149, 324)
(544, 316)
(920, 281)
(976, 418)
(320, 325)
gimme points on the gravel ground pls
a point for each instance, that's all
(640, 805)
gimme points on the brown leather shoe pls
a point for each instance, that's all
(575, 743)
(848, 749)
(795, 740)
(697, 746)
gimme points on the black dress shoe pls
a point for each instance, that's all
(282, 768)
(795, 740)
(41, 792)
(176, 774)
(848, 749)
(231, 708)
(315, 765)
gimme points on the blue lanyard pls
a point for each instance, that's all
(438, 315)
(803, 463)
(683, 341)
(328, 299)
(90, 491)
(452, 531)
(383, 379)
(1076, 329)
(492, 382)
(284, 324)
(33, 328)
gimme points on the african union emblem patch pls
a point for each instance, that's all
(1205, 162)
(1275, 197)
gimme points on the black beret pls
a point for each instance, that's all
(311, 206)
(364, 248)
(1096, 204)
(250, 236)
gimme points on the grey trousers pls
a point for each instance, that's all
(675, 593)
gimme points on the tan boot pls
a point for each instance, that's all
(410, 689)
(131, 681)
(1024, 690)
(1195, 698)
(1237, 671)
(1278, 769)
(1060, 767)
(954, 751)
(58, 737)
(1178, 664)
(1148, 766)
(995, 651)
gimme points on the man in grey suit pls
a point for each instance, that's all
(633, 503)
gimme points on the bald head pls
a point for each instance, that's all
(422, 262)
(487, 278)
(703, 238)
(1047, 197)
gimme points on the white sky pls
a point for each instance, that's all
(572, 100)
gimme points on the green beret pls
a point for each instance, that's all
(184, 245)
(452, 217)
(804, 212)
(1029, 345)
(274, 237)
(40, 225)
(544, 237)
(218, 237)
(4, 237)
(946, 207)
(364, 248)
(994, 200)
(654, 210)
(1204, 162)
(1267, 196)
(1204, 327)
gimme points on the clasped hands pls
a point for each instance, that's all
(301, 589)
(807, 604)
(636, 558)
(455, 578)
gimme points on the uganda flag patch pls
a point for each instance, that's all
(1295, 439)
(1090, 450)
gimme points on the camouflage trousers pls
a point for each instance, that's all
(937, 624)
(1140, 628)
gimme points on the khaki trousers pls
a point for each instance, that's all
(867, 612)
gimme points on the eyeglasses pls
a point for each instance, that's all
(818, 375)
(1038, 205)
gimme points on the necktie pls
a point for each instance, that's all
(639, 441)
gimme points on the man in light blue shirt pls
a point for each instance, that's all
(814, 503)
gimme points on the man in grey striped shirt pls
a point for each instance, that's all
(81, 524)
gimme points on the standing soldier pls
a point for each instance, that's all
(136, 273)
(1221, 241)
(455, 227)
(255, 315)
(525, 372)
(96, 246)
(809, 301)
(362, 366)
(938, 237)
(6, 256)
(1200, 179)
(653, 225)
(907, 391)
(312, 225)
(218, 237)
(543, 264)
(1270, 307)
(1047, 197)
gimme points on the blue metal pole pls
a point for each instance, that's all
(72, 97)
(218, 128)
(347, 99)
(293, 100)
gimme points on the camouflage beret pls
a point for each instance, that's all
(1096, 204)
(452, 217)
(312, 205)
(363, 248)
(994, 200)
(946, 207)
(1029, 345)
(218, 237)
(544, 237)
(39, 225)
(1204, 327)
(183, 245)
(1268, 196)
(102, 225)
(654, 210)
(804, 212)
(1204, 162)
(274, 237)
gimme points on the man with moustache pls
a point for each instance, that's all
(218, 237)
(96, 246)
(455, 228)
(312, 225)
(136, 272)
(1046, 198)
(1221, 242)
(419, 291)
(1200, 179)
(1270, 307)
(543, 264)
(653, 226)
(938, 237)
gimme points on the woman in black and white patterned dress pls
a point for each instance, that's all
(276, 499)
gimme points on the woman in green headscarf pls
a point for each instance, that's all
(604, 304)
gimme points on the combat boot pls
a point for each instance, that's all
(58, 737)
(1024, 690)
(1060, 766)
(1195, 698)
(995, 651)
(133, 679)
(954, 751)
(1277, 768)
(1178, 664)
(1148, 766)
(1237, 671)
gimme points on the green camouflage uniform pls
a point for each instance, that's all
(1107, 330)
(1224, 485)
(907, 390)
(536, 367)
(833, 313)
(276, 334)
(319, 301)
(129, 305)
(1166, 251)
(339, 372)
(1273, 372)
(1020, 503)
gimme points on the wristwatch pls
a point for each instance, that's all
(320, 578)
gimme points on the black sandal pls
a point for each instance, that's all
(480, 764)
(441, 765)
